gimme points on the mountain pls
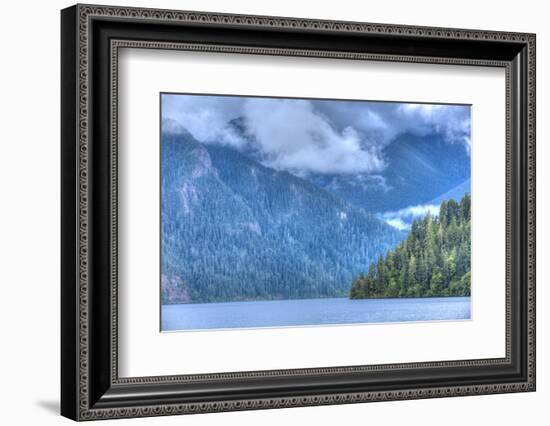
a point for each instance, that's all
(433, 261)
(233, 229)
(419, 169)
(453, 194)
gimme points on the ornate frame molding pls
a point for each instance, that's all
(82, 16)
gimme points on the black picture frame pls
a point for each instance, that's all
(90, 386)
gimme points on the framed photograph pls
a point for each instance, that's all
(263, 212)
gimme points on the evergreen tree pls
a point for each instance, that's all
(234, 230)
(434, 259)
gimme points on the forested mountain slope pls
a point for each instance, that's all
(434, 259)
(233, 229)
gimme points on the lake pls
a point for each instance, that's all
(304, 312)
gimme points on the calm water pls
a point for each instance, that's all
(284, 313)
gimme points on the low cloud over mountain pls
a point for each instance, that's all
(306, 136)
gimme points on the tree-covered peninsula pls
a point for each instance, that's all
(434, 259)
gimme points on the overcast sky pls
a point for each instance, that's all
(315, 136)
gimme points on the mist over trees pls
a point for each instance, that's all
(434, 260)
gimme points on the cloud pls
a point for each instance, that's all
(205, 117)
(314, 136)
(398, 224)
(383, 121)
(402, 219)
(294, 136)
(451, 121)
